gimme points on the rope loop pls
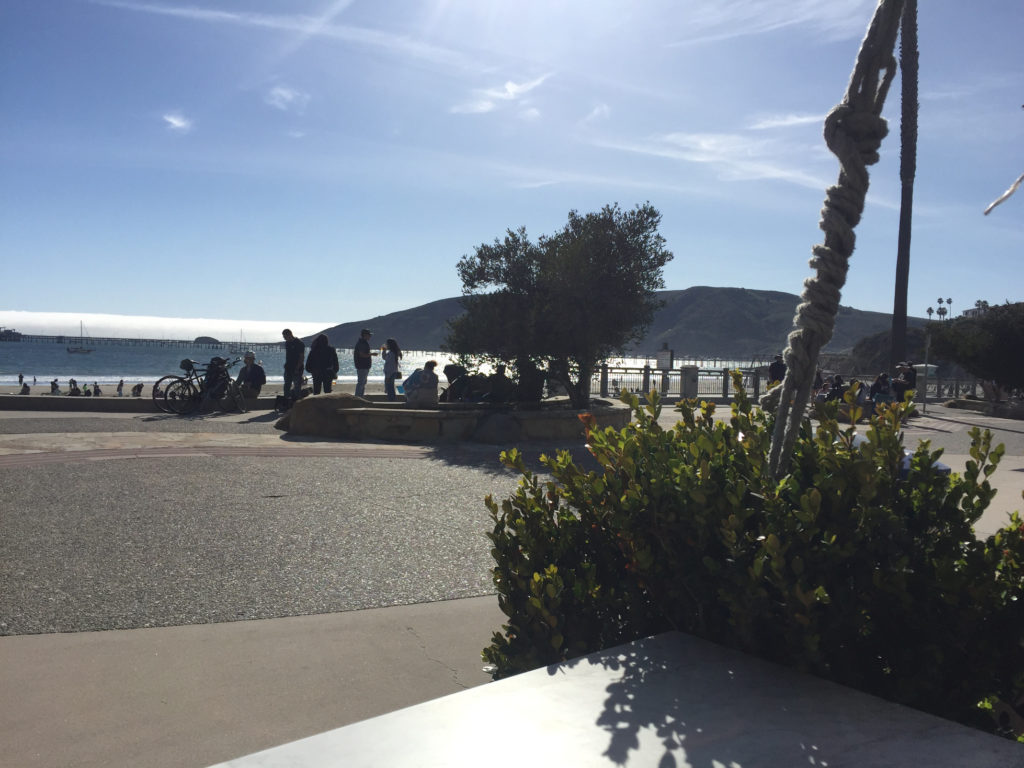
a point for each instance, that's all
(853, 132)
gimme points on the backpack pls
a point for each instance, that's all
(412, 381)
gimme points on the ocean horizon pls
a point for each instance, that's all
(109, 363)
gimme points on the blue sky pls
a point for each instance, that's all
(325, 162)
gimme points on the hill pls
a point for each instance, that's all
(696, 322)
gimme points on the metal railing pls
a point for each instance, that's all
(610, 381)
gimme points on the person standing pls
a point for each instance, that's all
(294, 359)
(363, 359)
(21, 379)
(777, 370)
(252, 377)
(392, 353)
(322, 363)
(906, 379)
(120, 388)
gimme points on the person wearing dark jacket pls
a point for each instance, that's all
(322, 363)
(294, 357)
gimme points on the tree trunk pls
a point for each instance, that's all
(908, 170)
(579, 392)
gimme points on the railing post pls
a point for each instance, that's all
(604, 379)
(725, 383)
(757, 385)
(647, 379)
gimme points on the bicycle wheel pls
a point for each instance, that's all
(182, 397)
(235, 393)
(160, 392)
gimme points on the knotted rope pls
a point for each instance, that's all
(854, 130)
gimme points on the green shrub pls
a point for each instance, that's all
(840, 568)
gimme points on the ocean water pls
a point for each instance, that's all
(109, 363)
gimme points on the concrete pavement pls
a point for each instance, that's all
(199, 685)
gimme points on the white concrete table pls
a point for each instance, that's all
(668, 701)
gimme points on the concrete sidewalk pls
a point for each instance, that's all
(197, 694)
(201, 694)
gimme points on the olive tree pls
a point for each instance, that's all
(567, 301)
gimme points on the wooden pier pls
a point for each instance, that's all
(233, 347)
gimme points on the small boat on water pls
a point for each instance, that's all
(80, 348)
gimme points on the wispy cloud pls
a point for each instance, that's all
(600, 112)
(487, 99)
(530, 113)
(733, 157)
(287, 99)
(713, 20)
(177, 122)
(306, 27)
(784, 121)
(477, 107)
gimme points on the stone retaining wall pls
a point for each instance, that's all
(348, 417)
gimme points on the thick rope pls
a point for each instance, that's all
(854, 130)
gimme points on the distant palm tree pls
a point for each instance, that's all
(908, 169)
(930, 312)
(941, 312)
(949, 303)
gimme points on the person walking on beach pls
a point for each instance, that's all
(294, 358)
(252, 377)
(21, 379)
(391, 354)
(322, 363)
(120, 388)
(363, 359)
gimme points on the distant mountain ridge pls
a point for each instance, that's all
(701, 321)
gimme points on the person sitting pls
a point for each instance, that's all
(421, 387)
(54, 387)
(86, 392)
(24, 389)
(838, 388)
(96, 389)
(881, 392)
(500, 388)
(137, 390)
(252, 377)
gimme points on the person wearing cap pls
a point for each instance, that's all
(363, 359)
(777, 370)
(252, 377)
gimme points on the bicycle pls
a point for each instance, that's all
(183, 395)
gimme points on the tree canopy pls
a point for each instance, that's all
(568, 300)
(989, 345)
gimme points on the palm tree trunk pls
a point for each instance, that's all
(908, 170)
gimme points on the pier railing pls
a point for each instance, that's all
(88, 341)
